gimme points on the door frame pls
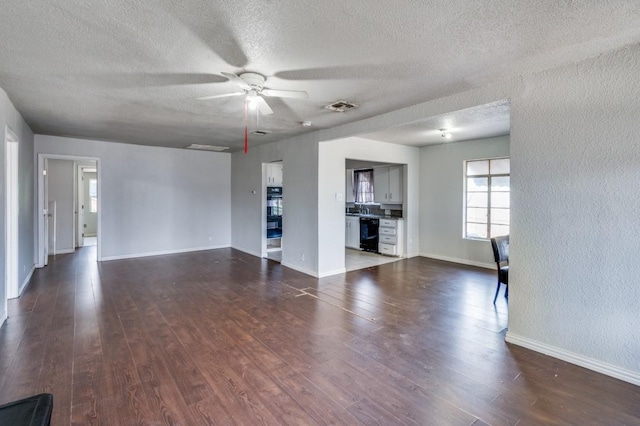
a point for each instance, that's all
(11, 218)
(42, 237)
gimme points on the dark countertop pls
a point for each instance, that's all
(373, 216)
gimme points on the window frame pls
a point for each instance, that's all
(465, 196)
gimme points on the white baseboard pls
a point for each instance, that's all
(334, 272)
(410, 255)
(632, 377)
(25, 283)
(299, 269)
(161, 253)
(63, 251)
(252, 253)
(461, 261)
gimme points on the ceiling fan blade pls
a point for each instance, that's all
(237, 80)
(295, 94)
(263, 106)
(226, 95)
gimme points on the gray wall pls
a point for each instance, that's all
(442, 200)
(9, 116)
(155, 200)
(60, 174)
(300, 199)
(575, 158)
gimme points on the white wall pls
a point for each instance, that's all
(442, 200)
(154, 200)
(60, 174)
(331, 181)
(299, 219)
(575, 150)
(10, 117)
(575, 158)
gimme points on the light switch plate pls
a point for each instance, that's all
(338, 196)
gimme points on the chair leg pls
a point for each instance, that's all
(497, 291)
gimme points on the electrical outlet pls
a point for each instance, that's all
(210, 238)
(302, 257)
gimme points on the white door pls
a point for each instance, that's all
(51, 229)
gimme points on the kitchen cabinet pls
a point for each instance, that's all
(349, 197)
(352, 232)
(391, 237)
(274, 174)
(388, 185)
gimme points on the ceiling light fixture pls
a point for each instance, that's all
(306, 123)
(445, 133)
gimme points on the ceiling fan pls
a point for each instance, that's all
(252, 85)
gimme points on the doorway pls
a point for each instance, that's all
(87, 204)
(11, 215)
(61, 184)
(272, 235)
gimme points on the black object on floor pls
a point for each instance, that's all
(32, 411)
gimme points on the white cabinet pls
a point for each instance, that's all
(352, 228)
(274, 174)
(350, 198)
(391, 237)
(388, 185)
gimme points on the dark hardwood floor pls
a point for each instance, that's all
(221, 337)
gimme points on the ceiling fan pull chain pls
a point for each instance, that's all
(246, 129)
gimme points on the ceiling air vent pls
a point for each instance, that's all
(206, 147)
(260, 132)
(341, 106)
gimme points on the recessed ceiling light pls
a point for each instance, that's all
(445, 133)
(206, 147)
(306, 123)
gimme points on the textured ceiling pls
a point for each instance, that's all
(130, 70)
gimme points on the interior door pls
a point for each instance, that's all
(51, 229)
(90, 204)
(45, 213)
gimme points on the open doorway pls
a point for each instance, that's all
(374, 213)
(87, 204)
(68, 196)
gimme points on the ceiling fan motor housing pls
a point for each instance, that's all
(256, 81)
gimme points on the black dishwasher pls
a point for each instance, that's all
(369, 233)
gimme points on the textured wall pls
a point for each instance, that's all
(575, 149)
(442, 199)
(155, 199)
(10, 117)
(299, 219)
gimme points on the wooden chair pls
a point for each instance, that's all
(500, 247)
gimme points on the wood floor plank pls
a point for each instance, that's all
(222, 337)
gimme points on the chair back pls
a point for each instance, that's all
(500, 247)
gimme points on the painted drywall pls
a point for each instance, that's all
(154, 200)
(442, 200)
(90, 226)
(574, 228)
(60, 177)
(300, 202)
(10, 117)
(331, 194)
(575, 150)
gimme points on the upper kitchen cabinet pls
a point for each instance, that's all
(350, 197)
(274, 174)
(387, 184)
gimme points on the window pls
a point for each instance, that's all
(363, 186)
(487, 198)
(93, 194)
